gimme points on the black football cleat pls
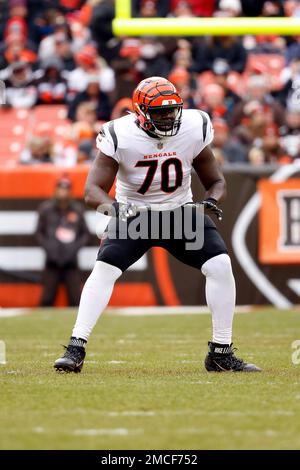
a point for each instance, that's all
(72, 360)
(221, 358)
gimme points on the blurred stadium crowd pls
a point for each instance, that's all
(65, 74)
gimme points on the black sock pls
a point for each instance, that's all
(217, 348)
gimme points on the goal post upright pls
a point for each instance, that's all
(123, 9)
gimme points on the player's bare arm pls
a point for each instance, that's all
(210, 174)
(212, 179)
(100, 180)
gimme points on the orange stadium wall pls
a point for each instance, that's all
(255, 223)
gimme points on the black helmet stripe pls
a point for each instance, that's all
(145, 96)
(164, 93)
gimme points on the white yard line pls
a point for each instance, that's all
(115, 362)
(182, 310)
(129, 311)
(130, 413)
(144, 311)
(166, 413)
(107, 432)
(14, 312)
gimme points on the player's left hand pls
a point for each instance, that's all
(211, 204)
(124, 211)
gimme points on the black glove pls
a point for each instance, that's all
(124, 211)
(211, 204)
(119, 210)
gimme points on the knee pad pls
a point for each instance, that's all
(218, 267)
(104, 273)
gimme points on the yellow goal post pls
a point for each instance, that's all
(125, 25)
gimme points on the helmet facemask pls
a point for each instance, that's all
(163, 121)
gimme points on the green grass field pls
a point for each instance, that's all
(143, 385)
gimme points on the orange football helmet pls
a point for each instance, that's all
(158, 106)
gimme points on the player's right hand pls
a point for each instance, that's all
(124, 211)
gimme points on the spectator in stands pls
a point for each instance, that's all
(61, 231)
(101, 27)
(88, 63)
(84, 131)
(290, 77)
(252, 7)
(262, 7)
(257, 95)
(226, 148)
(153, 61)
(258, 132)
(66, 151)
(63, 50)
(291, 8)
(41, 20)
(291, 71)
(3, 16)
(182, 57)
(273, 152)
(61, 31)
(256, 156)
(198, 7)
(38, 151)
(127, 70)
(273, 8)
(50, 144)
(220, 71)
(269, 153)
(20, 89)
(16, 22)
(213, 101)
(122, 108)
(183, 10)
(15, 48)
(51, 86)
(92, 94)
(228, 8)
(290, 140)
(185, 85)
(70, 6)
(150, 8)
(265, 44)
(293, 50)
(229, 48)
(84, 15)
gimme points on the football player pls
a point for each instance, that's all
(152, 152)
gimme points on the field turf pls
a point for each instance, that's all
(143, 385)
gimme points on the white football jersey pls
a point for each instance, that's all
(152, 171)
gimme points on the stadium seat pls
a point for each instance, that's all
(11, 148)
(15, 128)
(52, 119)
(46, 112)
(17, 125)
(15, 120)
